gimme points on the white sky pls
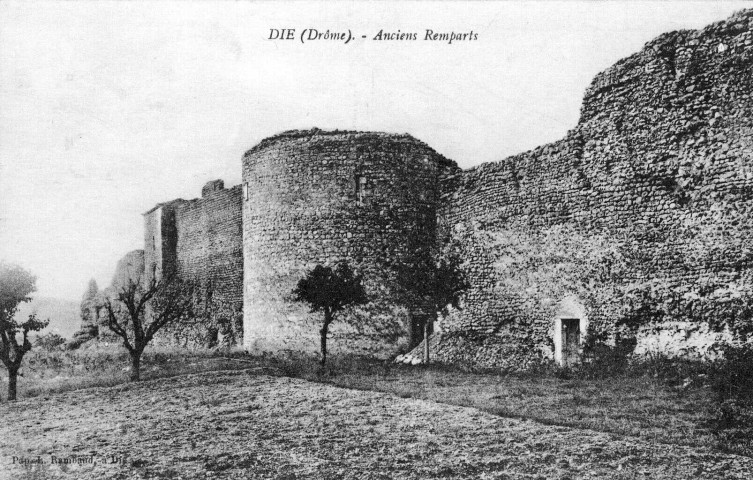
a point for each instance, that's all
(109, 108)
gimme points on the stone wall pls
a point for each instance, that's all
(660, 164)
(664, 145)
(209, 244)
(154, 263)
(317, 197)
(201, 241)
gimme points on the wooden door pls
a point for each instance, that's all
(570, 340)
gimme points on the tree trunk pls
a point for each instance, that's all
(12, 382)
(415, 330)
(135, 366)
(323, 336)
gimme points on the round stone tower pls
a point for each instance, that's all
(315, 197)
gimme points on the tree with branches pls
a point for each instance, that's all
(16, 284)
(433, 280)
(330, 290)
(138, 311)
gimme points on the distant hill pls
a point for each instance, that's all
(64, 315)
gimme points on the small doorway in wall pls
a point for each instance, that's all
(417, 324)
(570, 341)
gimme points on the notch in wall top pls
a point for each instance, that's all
(212, 186)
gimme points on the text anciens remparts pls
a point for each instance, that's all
(347, 36)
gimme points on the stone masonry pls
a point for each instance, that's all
(316, 197)
(664, 142)
(665, 138)
(200, 240)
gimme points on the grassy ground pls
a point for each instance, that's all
(46, 372)
(248, 424)
(637, 405)
(641, 405)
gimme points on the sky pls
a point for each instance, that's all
(107, 108)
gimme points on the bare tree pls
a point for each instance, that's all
(15, 286)
(139, 311)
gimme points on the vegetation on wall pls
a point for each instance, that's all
(716, 248)
(430, 284)
(533, 269)
(217, 320)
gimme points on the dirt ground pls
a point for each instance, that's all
(247, 424)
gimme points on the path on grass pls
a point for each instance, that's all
(245, 424)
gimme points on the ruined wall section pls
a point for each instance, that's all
(160, 239)
(665, 137)
(153, 248)
(319, 197)
(201, 240)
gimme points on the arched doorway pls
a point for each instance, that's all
(570, 324)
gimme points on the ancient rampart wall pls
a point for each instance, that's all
(201, 241)
(662, 154)
(665, 141)
(209, 246)
(317, 197)
(154, 263)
